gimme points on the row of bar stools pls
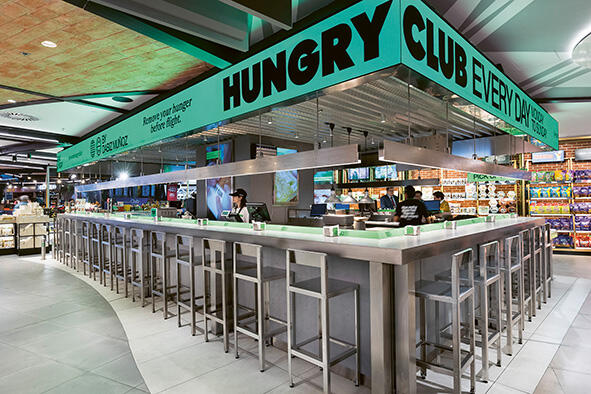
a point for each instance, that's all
(160, 285)
(139, 275)
(95, 251)
(256, 322)
(216, 269)
(119, 257)
(323, 289)
(106, 254)
(512, 272)
(67, 242)
(59, 239)
(185, 258)
(455, 293)
(85, 246)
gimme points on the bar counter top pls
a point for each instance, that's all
(384, 246)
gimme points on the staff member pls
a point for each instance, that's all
(443, 205)
(389, 200)
(411, 211)
(239, 206)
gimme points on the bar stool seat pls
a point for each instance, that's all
(312, 287)
(269, 273)
(440, 291)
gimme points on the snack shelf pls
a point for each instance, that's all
(582, 232)
(582, 198)
(550, 198)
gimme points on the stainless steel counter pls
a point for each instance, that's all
(384, 268)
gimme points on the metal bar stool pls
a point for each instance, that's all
(538, 265)
(216, 267)
(512, 271)
(160, 271)
(185, 257)
(256, 322)
(548, 256)
(460, 290)
(323, 289)
(487, 279)
(67, 242)
(106, 254)
(528, 273)
(85, 246)
(59, 238)
(75, 241)
(120, 268)
(139, 275)
(95, 251)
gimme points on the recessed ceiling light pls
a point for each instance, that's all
(49, 44)
(11, 101)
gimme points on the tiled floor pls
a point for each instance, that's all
(59, 334)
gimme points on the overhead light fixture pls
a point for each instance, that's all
(34, 180)
(73, 176)
(333, 198)
(349, 199)
(123, 176)
(28, 177)
(366, 198)
(11, 101)
(270, 121)
(383, 119)
(49, 44)
(59, 181)
(27, 137)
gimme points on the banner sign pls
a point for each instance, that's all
(369, 36)
(555, 156)
(359, 40)
(431, 47)
(583, 154)
(171, 192)
(471, 178)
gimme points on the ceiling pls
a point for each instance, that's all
(533, 41)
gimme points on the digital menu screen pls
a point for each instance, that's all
(222, 151)
(357, 174)
(285, 186)
(218, 196)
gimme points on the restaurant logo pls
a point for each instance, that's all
(100, 145)
(327, 53)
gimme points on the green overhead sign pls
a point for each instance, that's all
(434, 49)
(359, 40)
(369, 36)
(471, 178)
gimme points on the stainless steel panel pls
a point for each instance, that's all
(328, 157)
(395, 152)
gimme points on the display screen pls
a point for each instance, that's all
(320, 195)
(356, 174)
(146, 191)
(170, 168)
(323, 177)
(218, 196)
(285, 190)
(221, 151)
(386, 172)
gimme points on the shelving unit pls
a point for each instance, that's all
(7, 241)
(31, 231)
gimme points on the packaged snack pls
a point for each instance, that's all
(584, 191)
(554, 192)
(577, 191)
(548, 176)
(568, 175)
(544, 192)
(559, 175)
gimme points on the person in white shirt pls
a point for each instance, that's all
(239, 205)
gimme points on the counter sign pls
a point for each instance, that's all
(433, 48)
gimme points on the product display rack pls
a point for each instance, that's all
(35, 239)
(6, 238)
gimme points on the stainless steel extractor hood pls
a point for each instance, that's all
(321, 158)
(395, 152)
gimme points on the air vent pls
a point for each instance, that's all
(19, 117)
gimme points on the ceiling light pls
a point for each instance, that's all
(366, 198)
(59, 181)
(270, 121)
(333, 198)
(28, 177)
(11, 101)
(73, 176)
(34, 180)
(349, 199)
(49, 44)
(383, 119)
(123, 176)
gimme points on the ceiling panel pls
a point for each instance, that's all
(120, 100)
(10, 97)
(92, 53)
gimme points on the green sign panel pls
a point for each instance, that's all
(433, 48)
(487, 178)
(369, 36)
(359, 40)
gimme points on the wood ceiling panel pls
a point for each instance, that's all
(6, 95)
(92, 54)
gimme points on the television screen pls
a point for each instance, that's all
(285, 189)
(222, 151)
(218, 196)
(170, 168)
(285, 151)
(386, 172)
(356, 174)
(323, 177)
(146, 191)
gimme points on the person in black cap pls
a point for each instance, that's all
(239, 205)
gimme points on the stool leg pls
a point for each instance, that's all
(499, 287)
(456, 353)
(325, 342)
(521, 297)
(225, 312)
(132, 271)
(192, 292)
(472, 345)
(124, 256)
(484, 329)
(357, 340)
(165, 283)
(206, 298)
(143, 278)
(153, 283)
(509, 308)
(178, 291)
(289, 331)
(261, 321)
(422, 334)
